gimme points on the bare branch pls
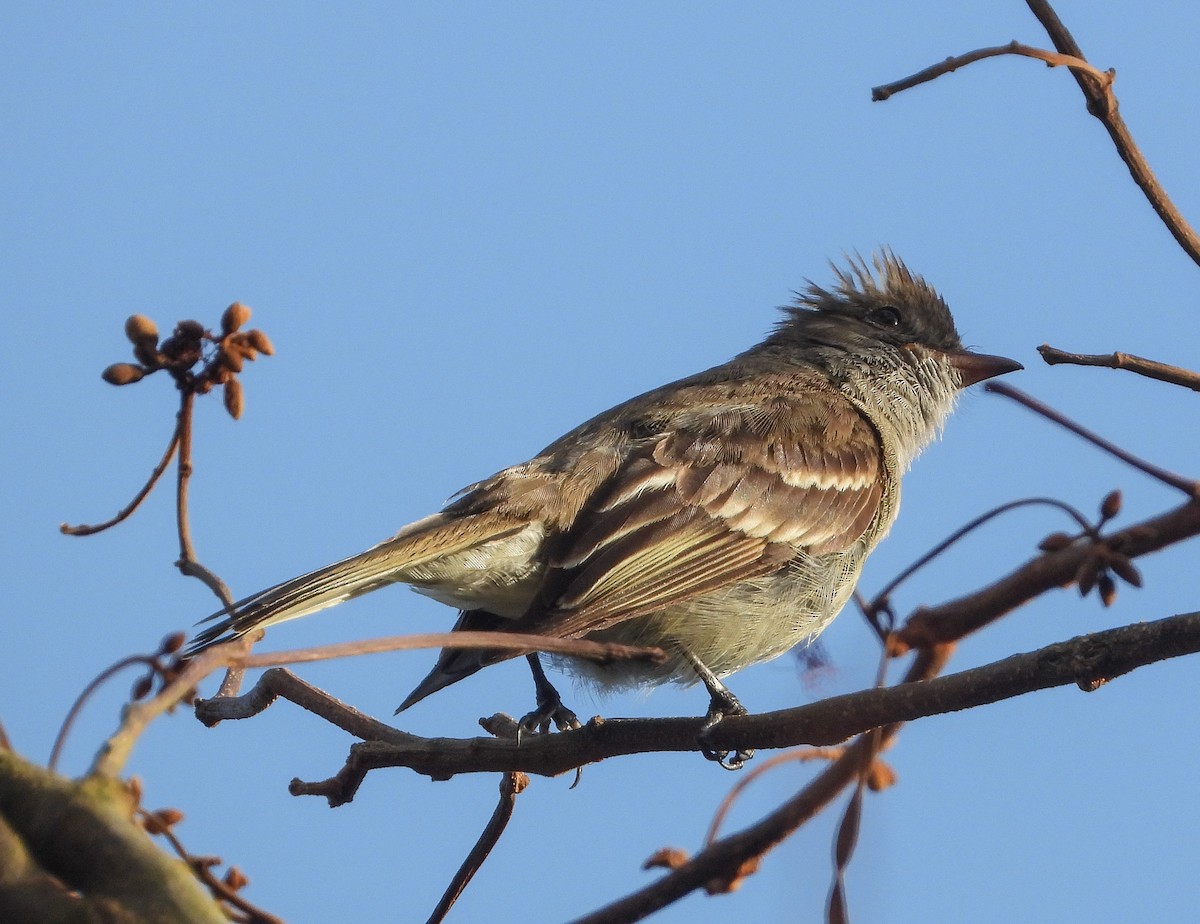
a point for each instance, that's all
(1081, 661)
(957, 618)
(1101, 103)
(1074, 62)
(1173, 375)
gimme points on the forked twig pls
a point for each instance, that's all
(1101, 103)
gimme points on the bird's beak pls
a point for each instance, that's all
(975, 367)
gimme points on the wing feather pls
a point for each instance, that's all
(714, 501)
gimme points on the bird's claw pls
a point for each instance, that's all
(719, 708)
(548, 712)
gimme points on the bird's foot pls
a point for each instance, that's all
(550, 708)
(546, 714)
(722, 705)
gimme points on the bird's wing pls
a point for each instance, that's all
(718, 498)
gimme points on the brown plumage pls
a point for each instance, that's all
(724, 517)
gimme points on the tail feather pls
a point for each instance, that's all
(383, 564)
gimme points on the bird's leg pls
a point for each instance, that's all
(721, 704)
(550, 707)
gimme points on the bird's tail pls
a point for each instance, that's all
(391, 561)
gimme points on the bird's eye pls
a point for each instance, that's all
(887, 316)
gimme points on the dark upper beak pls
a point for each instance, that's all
(975, 367)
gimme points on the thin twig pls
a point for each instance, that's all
(1187, 486)
(600, 652)
(1102, 104)
(133, 505)
(1173, 375)
(202, 869)
(733, 852)
(73, 712)
(135, 718)
(849, 826)
(801, 755)
(881, 598)
(1074, 62)
(188, 564)
(511, 786)
(1106, 654)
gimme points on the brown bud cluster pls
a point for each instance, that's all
(1096, 570)
(161, 821)
(189, 357)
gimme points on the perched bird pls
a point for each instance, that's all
(724, 517)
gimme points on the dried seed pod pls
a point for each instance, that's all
(260, 342)
(1125, 569)
(234, 317)
(172, 643)
(169, 816)
(880, 776)
(140, 329)
(123, 374)
(1088, 573)
(235, 879)
(233, 398)
(1107, 588)
(142, 687)
(231, 357)
(189, 330)
(1055, 542)
(1111, 505)
(666, 858)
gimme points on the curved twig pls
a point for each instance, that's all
(953, 63)
(511, 786)
(1187, 486)
(127, 511)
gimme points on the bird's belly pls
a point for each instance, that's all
(736, 626)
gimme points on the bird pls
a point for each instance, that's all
(724, 518)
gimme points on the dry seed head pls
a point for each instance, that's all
(1125, 569)
(1055, 542)
(231, 357)
(234, 317)
(233, 398)
(1111, 505)
(140, 329)
(260, 342)
(169, 816)
(142, 687)
(1107, 588)
(123, 374)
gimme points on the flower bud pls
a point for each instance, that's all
(123, 374)
(233, 398)
(234, 317)
(140, 329)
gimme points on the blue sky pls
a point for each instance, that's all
(468, 227)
